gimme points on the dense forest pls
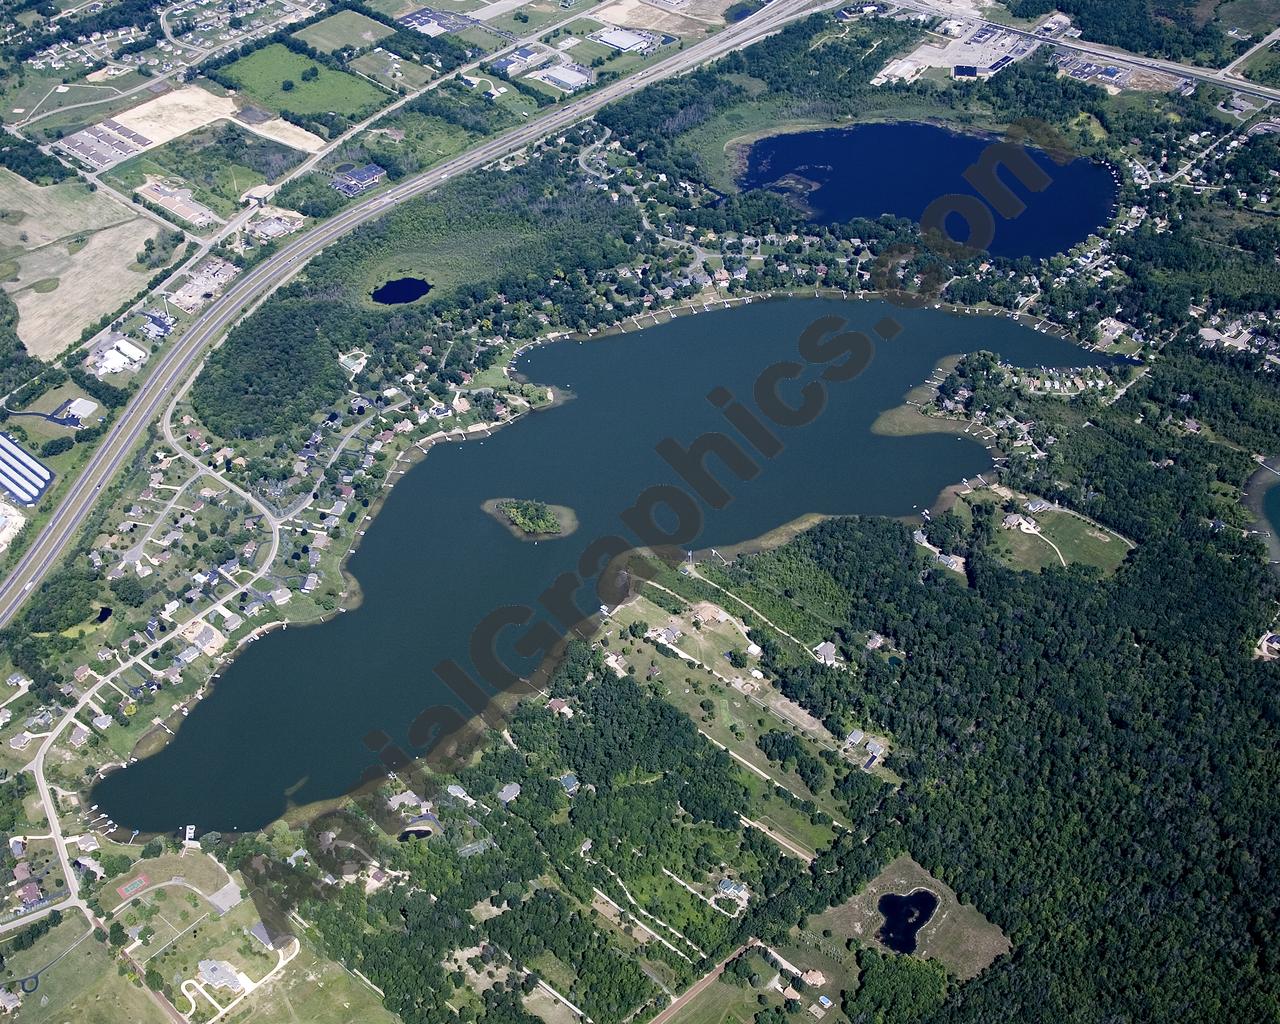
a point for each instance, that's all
(16, 365)
(24, 158)
(1092, 761)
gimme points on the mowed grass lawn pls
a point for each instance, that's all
(1073, 538)
(262, 75)
(346, 28)
(313, 990)
(720, 1003)
(86, 987)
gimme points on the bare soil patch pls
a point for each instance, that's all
(92, 281)
(167, 117)
(638, 14)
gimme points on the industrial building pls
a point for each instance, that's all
(22, 476)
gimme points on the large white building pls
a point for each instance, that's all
(22, 476)
(622, 39)
(120, 355)
(567, 78)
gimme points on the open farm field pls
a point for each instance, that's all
(262, 75)
(67, 284)
(344, 30)
(32, 216)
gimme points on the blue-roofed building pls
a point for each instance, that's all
(361, 179)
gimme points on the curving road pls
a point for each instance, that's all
(181, 361)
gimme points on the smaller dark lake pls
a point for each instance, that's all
(900, 168)
(904, 916)
(400, 291)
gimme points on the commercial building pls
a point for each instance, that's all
(352, 183)
(119, 356)
(567, 77)
(622, 39)
(77, 409)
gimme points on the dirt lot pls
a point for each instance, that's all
(60, 290)
(958, 935)
(176, 113)
(692, 19)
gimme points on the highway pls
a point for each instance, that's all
(181, 360)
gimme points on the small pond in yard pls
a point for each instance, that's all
(904, 916)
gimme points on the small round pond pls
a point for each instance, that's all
(904, 916)
(400, 290)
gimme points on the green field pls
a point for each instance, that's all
(85, 986)
(344, 30)
(1063, 538)
(22, 963)
(720, 1003)
(427, 137)
(195, 868)
(313, 990)
(34, 92)
(219, 164)
(1256, 16)
(382, 68)
(262, 75)
(206, 938)
(536, 15)
(1264, 66)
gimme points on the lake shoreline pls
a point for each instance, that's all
(564, 516)
(350, 596)
(1261, 484)
(841, 181)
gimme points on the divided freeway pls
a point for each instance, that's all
(182, 359)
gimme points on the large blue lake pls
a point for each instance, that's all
(286, 721)
(900, 168)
